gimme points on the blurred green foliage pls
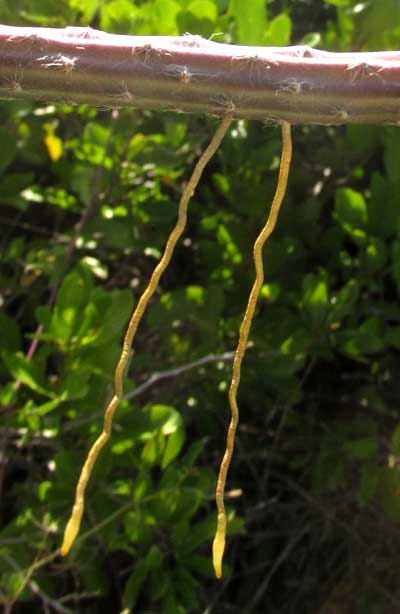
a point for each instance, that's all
(87, 199)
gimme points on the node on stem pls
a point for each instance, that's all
(64, 63)
(256, 66)
(363, 70)
(147, 52)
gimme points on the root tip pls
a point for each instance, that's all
(218, 553)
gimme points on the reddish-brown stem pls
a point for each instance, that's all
(295, 84)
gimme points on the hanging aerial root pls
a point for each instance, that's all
(219, 540)
(72, 528)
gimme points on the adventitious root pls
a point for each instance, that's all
(73, 525)
(219, 540)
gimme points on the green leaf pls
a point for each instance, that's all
(87, 9)
(175, 129)
(162, 417)
(192, 309)
(12, 582)
(96, 134)
(392, 336)
(153, 449)
(351, 212)
(72, 298)
(43, 489)
(154, 558)
(120, 303)
(200, 564)
(270, 292)
(279, 31)
(338, 2)
(134, 584)
(7, 393)
(388, 492)
(330, 470)
(75, 385)
(170, 603)
(342, 304)
(8, 149)
(368, 484)
(12, 187)
(83, 176)
(46, 408)
(10, 339)
(199, 16)
(118, 17)
(187, 588)
(26, 371)
(203, 9)
(188, 460)
(231, 251)
(165, 14)
(377, 27)
(174, 445)
(200, 532)
(361, 141)
(136, 527)
(382, 221)
(312, 39)
(362, 448)
(284, 364)
(137, 143)
(315, 297)
(396, 262)
(396, 441)
(375, 256)
(392, 155)
(251, 20)
(164, 435)
(222, 184)
(369, 338)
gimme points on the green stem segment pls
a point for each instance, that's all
(293, 84)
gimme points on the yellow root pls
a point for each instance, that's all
(219, 540)
(73, 525)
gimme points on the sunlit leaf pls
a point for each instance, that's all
(28, 372)
(251, 18)
(118, 16)
(279, 31)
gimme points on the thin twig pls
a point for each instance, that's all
(158, 376)
(28, 576)
(169, 373)
(277, 563)
(79, 596)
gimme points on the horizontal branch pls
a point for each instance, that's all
(190, 74)
(160, 375)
